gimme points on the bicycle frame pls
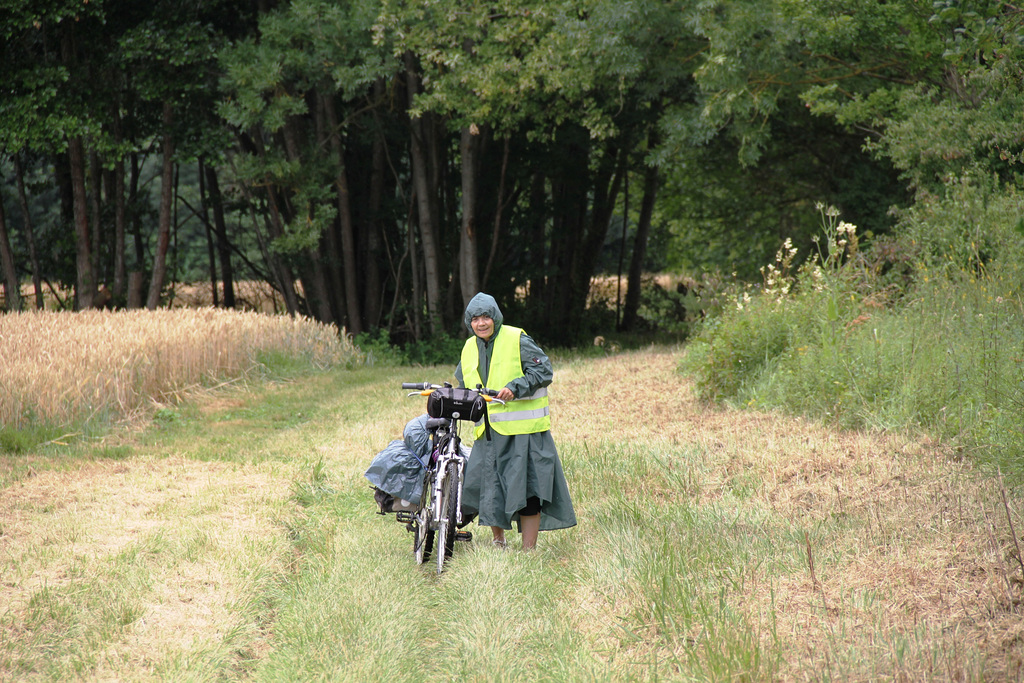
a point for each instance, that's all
(439, 516)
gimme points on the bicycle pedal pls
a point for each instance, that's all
(404, 516)
(464, 536)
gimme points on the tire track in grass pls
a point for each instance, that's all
(180, 542)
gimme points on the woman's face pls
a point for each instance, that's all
(483, 326)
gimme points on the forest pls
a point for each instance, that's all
(378, 162)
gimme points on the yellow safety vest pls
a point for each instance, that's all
(526, 415)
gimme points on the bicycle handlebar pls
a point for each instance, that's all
(424, 388)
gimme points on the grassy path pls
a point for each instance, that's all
(236, 539)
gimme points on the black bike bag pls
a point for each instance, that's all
(456, 404)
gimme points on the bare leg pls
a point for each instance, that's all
(531, 529)
(499, 535)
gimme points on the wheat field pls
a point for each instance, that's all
(65, 368)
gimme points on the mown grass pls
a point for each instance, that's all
(711, 546)
(236, 538)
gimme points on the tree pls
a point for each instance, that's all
(7, 266)
(295, 87)
(379, 161)
(569, 81)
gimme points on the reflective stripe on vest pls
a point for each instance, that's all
(520, 416)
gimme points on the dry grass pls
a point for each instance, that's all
(65, 368)
(908, 543)
(250, 295)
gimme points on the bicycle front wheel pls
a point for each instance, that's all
(446, 528)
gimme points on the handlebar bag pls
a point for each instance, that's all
(456, 404)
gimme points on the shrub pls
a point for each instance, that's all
(928, 337)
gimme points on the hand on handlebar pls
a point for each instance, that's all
(505, 394)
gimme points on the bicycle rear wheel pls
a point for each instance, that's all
(446, 528)
(423, 536)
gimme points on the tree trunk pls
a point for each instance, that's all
(163, 240)
(605, 192)
(175, 224)
(537, 247)
(414, 268)
(11, 284)
(286, 279)
(281, 272)
(211, 252)
(636, 265)
(499, 207)
(348, 240)
(570, 197)
(309, 265)
(85, 278)
(30, 238)
(133, 198)
(330, 249)
(95, 187)
(85, 283)
(370, 244)
(120, 217)
(583, 207)
(426, 204)
(314, 284)
(469, 271)
(221, 230)
(136, 283)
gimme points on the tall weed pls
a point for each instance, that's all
(925, 331)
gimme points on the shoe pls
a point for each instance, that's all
(502, 544)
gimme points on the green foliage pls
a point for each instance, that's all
(962, 110)
(931, 90)
(27, 438)
(536, 65)
(378, 349)
(938, 348)
(736, 351)
(728, 217)
(749, 110)
(302, 46)
(680, 309)
(305, 51)
(761, 55)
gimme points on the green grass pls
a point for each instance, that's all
(690, 561)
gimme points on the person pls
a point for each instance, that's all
(514, 474)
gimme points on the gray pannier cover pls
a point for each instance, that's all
(417, 437)
(398, 469)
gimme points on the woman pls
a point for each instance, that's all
(514, 474)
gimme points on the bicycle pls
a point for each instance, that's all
(439, 515)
